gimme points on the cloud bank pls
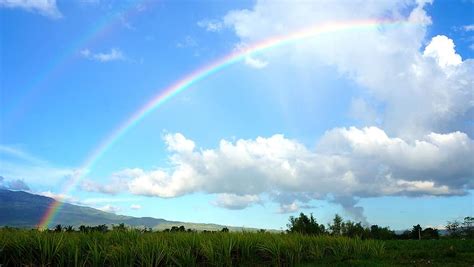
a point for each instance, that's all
(347, 163)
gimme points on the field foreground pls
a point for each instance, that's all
(134, 248)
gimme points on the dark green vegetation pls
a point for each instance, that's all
(308, 225)
(122, 247)
(22, 209)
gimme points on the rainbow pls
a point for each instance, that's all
(199, 74)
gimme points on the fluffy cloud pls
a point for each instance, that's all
(441, 48)
(44, 7)
(347, 163)
(420, 90)
(113, 55)
(117, 182)
(255, 62)
(236, 202)
(289, 208)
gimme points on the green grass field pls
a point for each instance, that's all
(133, 248)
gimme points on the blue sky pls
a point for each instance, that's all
(375, 124)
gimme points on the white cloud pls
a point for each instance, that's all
(235, 202)
(135, 207)
(113, 55)
(44, 7)
(347, 163)
(255, 62)
(289, 208)
(421, 90)
(117, 182)
(441, 48)
(211, 25)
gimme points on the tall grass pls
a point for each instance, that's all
(132, 248)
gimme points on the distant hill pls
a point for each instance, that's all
(22, 209)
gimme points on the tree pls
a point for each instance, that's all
(178, 229)
(384, 233)
(336, 226)
(468, 227)
(453, 228)
(405, 235)
(430, 233)
(416, 232)
(225, 230)
(82, 228)
(121, 227)
(58, 228)
(352, 229)
(305, 225)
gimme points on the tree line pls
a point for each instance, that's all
(308, 225)
(304, 224)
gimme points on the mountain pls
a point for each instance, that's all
(22, 209)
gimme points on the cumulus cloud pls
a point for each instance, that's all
(347, 163)
(255, 62)
(114, 54)
(441, 48)
(349, 205)
(44, 7)
(289, 208)
(116, 184)
(235, 202)
(421, 89)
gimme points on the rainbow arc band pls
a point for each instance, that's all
(199, 74)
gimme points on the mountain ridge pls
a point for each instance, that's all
(24, 210)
